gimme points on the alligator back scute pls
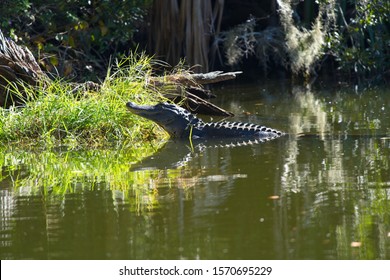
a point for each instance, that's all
(235, 129)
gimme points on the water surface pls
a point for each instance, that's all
(320, 192)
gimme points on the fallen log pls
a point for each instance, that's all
(196, 79)
(214, 77)
(196, 104)
(189, 88)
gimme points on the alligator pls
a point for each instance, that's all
(180, 123)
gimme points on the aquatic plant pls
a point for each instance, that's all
(60, 115)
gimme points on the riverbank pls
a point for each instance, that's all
(56, 114)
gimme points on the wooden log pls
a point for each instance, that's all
(214, 77)
(199, 105)
(189, 88)
(192, 79)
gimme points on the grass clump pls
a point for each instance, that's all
(59, 115)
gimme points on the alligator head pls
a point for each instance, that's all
(172, 118)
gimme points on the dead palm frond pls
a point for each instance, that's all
(18, 68)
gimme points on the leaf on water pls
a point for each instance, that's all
(274, 197)
(356, 244)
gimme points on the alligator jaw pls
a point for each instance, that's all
(151, 112)
(141, 110)
(170, 117)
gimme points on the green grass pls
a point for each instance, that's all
(59, 116)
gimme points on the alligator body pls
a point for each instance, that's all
(180, 123)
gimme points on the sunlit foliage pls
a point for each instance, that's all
(58, 115)
(361, 44)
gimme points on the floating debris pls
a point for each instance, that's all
(356, 244)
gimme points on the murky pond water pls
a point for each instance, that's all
(320, 192)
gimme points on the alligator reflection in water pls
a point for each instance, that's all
(181, 124)
(178, 153)
(200, 180)
(170, 156)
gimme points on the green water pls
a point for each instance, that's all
(320, 192)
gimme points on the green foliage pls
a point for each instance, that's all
(361, 44)
(74, 37)
(11, 8)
